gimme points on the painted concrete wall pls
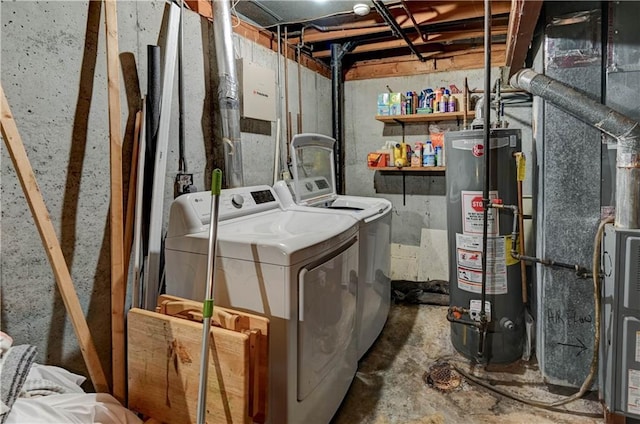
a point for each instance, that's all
(419, 215)
(53, 71)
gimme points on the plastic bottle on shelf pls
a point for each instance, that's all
(414, 102)
(436, 101)
(416, 157)
(452, 103)
(428, 154)
(444, 103)
(408, 110)
(439, 156)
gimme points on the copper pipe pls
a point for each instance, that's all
(465, 99)
(520, 217)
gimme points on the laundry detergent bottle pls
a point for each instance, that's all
(428, 154)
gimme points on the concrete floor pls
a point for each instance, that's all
(389, 386)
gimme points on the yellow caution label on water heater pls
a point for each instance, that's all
(521, 165)
(510, 260)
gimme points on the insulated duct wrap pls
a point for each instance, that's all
(624, 129)
(228, 97)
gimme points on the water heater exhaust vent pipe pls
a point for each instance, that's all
(624, 129)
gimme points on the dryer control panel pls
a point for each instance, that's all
(191, 213)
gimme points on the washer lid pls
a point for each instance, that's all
(276, 237)
(313, 168)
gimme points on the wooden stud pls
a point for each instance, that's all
(51, 244)
(118, 287)
(522, 22)
(131, 195)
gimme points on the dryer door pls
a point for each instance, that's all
(326, 319)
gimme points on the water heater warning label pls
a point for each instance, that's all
(473, 213)
(633, 392)
(469, 264)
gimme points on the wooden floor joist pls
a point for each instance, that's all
(406, 66)
(27, 178)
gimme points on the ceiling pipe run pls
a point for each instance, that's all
(228, 96)
(624, 129)
(405, 6)
(338, 52)
(383, 11)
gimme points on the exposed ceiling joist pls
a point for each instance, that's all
(522, 22)
(432, 38)
(428, 14)
(448, 34)
(408, 65)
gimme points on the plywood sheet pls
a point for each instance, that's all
(164, 365)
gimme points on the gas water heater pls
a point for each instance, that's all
(504, 309)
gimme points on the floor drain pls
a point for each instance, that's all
(442, 377)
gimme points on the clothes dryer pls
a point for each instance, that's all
(313, 189)
(299, 270)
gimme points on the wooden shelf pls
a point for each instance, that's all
(409, 168)
(423, 117)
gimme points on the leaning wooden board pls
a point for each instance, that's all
(163, 363)
(258, 329)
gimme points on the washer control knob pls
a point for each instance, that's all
(309, 186)
(237, 201)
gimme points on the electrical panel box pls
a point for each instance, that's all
(619, 371)
(257, 91)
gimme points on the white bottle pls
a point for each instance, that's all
(428, 154)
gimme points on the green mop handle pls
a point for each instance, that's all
(216, 185)
(207, 306)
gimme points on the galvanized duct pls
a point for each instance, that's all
(624, 129)
(228, 93)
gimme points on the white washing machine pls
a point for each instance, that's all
(299, 270)
(313, 189)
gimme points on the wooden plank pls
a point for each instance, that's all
(248, 323)
(116, 219)
(436, 37)
(52, 246)
(131, 195)
(137, 227)
(612, 418)
(433, 14)
(522, 22)
(419, 117)
(164, 358)
(409, 168)
(261, 37)
(202, 7)
(396, 67)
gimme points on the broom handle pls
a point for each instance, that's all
(207, 307)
